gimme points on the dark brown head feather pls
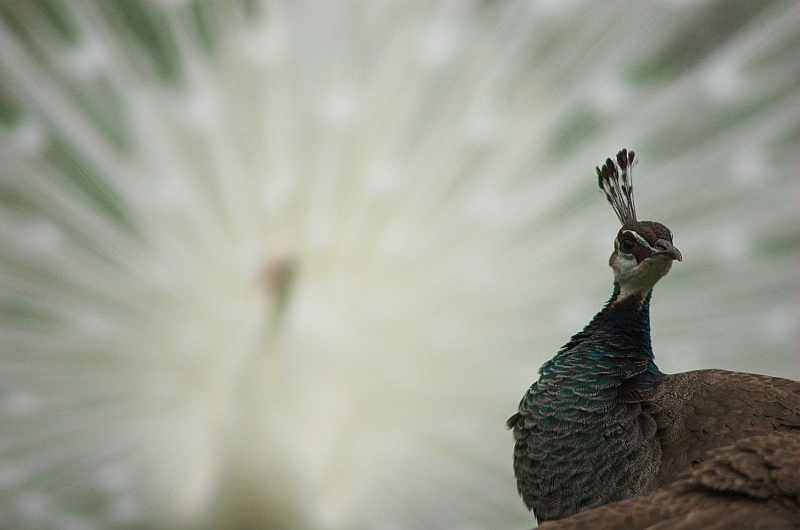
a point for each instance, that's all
(650, 231)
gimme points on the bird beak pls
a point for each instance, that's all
(668, 249)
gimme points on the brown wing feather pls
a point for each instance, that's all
(753, 483)
(705, 409)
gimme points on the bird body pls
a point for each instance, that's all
(602, 423)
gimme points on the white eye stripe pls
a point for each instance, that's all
(640, 239)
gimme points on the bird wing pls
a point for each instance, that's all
(752, 483)
(705, 409)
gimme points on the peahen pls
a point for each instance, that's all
(753, 483)
(602, 423)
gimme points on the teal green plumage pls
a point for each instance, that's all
(590, 395)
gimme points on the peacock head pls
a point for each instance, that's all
(643, 250)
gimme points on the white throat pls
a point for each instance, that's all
(633, 277)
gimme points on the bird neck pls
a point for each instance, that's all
(615, 343)
(623, 324)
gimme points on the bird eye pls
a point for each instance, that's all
(627, 246)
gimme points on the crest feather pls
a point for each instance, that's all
(616, 180)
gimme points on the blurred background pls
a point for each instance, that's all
(293, 264)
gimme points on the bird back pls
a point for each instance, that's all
(705, 409)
